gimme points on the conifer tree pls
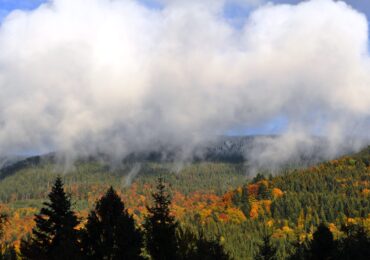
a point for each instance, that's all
(322, 246)
(209, 250)
(160, 226)
(258, 177)
(10, 253)
(356, 243)
(266, 250)
(199, 248)
(263, 192)
(187, 243)
(110, 232)
(55, 235)
(301, 250)
(3, 218)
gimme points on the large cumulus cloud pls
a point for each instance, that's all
(83, 76)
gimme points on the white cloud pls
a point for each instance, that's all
(88, 75)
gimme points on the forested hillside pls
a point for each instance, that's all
(213, 199)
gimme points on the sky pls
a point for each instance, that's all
(87, 76)
(233, 9)
(6, 6)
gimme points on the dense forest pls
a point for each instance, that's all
(296, 214)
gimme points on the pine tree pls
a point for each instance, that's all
(356, 243)
(322, 246)
(10, 253)
(161, 227)
(187, 243)
(194, 248)
(55, 235)
(266, 250)
(258, 177)
(110, 232)
(301, 250)
(210, 250)
(3, 219)
(263, 192)
(245, 204)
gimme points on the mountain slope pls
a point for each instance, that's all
(215, 197)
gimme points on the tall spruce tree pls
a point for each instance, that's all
(110, 232)
(263, 192)
(209, 250)
(199, 247)
(10, 253)
(355, 244)
(161, 227)
(322, 246)
(300, 249)
(267, 251)
(55, 235)
(3, 218)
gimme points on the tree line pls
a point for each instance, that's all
(110, 232)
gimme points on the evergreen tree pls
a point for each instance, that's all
(3, 219)
(266, 250)
(322, 246)
(187, 243)
(10, 253)
(160, 226)
(356, 244)
(258, 177)
(209, 250)
(110, 232)
(193, 248)
(55, 234)
(301, 250)
(263, 192)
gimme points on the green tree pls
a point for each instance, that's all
(160, 226)
(301, 250)
(356, 243)
(263, 192)
(258, 177)
(3, 219)
(194, 248)
(110, 232)
(10, 253)
(322, 246)
(209, 250)
(55, 235)
(267, 251)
